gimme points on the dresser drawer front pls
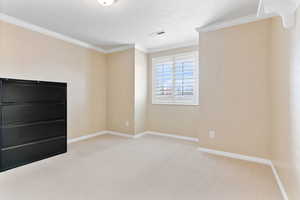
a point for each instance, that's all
(16, 135)
(32, 113)
(31, 92)
(22, 155)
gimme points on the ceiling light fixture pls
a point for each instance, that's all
(106, 2)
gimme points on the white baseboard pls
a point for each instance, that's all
(140, 135)
(85, 137)
(206, 150)
(120, 134)
(279, 182)
(236, 156)
(250, 159)
(171, 136)
(131, 136)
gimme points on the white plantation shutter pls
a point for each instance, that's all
(175, 79)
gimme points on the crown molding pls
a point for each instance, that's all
(138, 47)
(234, 22)
(286, 9)
(173, 46)
(26, 25)
(35, 28)
(122, 48)
(260, 8)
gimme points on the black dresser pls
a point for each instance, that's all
(33, 121)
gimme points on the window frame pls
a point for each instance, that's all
(173, 100)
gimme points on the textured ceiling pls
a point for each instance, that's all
(128, 21)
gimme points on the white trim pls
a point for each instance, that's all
(138, 47)
(206, 150)
(171, 136)
(175, 103)
(122, 48)
(85, 137)
(285, 9)
(140, 135)
(126, 47)
(234, 22)
(279, 182)
(236, 156)
(260, 8)
(173, 46)
(47, 32)
(250, 159)
(120, 134)
(35, 28)
(173, 99)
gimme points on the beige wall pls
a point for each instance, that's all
(120, 91)
(285, 79)
(30, 55)
(101, 88)
(140, 94)
(174, 119)
(234, 97)
(239, 66)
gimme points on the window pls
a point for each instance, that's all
(175, 79)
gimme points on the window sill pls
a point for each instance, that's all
(176, 104)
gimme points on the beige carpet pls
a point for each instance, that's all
(152, 167)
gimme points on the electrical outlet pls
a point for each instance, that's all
(127, 123)
(211, 133)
